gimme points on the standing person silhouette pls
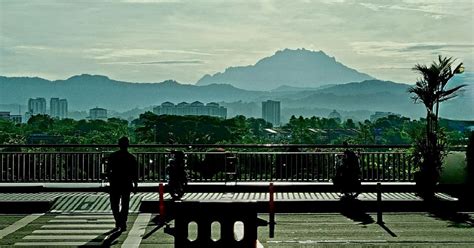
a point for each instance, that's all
(122, 171)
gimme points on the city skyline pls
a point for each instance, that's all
(155, 40)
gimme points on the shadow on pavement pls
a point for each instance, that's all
(384, 227)
(353, 209)
(456, 219)
(158, 223)
(108, 239)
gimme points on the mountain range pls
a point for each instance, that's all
(357, 98)
(296, 68)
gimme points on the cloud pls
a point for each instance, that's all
(332, 1)
(150, 1)
(423, 47)
(389, 48)
(108, 53)
(434, 8)
(163, 62)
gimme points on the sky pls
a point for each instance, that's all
(156, 40)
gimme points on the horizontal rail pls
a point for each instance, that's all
(190, 146)
(392, 166)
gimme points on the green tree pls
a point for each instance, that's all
(349, 124)
(431, 90)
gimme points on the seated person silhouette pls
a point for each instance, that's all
(348, 174)
(122, 172)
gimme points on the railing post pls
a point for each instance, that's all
(379, 203)
(161, 190)
(272, 211)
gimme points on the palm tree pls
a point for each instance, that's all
(431, 90)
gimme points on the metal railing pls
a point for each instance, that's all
(85, 163)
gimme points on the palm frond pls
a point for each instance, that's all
(451, 93)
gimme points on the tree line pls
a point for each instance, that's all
(150, 128)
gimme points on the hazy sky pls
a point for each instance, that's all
(154, 40)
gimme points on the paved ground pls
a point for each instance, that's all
(292, 230)
(99, 201)
(84, 218)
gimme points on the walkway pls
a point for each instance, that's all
(292, 230)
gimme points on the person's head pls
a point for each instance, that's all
(123, 143)
(345, 144)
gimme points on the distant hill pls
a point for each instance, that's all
(295, 68)
(367, 87)
(362, 97)
(461, 107)
(358, 99)
(87, 91)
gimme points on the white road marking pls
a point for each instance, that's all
(62, 237)
(61, 231)
(84, 216)
(70, 230)
(134, 237)
(18, 224)
(83, 221)
(66, 243)
(325, 241)
(79, 226)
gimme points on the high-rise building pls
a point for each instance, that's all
(271, 112)
(98, 114)
(195, 108)
(63, 108)
(37, 106)
(58, 108)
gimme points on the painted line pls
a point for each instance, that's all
(62, 237)
(83, 221)
(325, 241)
(73, 244)
(60, 231)
(102, 216)
(134, 237)
(18, 224)
(78, 226)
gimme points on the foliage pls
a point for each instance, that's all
(72, 131)
(150, 128)
(428, 157)
(470, 159)
(431, 91)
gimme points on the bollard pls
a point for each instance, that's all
(379, 203)
(272, 212)
(161, 191)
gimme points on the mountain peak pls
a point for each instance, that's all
(292, 67)
(88, 77)
(169, 82)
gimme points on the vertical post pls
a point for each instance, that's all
(162, 202)
(272, 212)
(379, 203)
